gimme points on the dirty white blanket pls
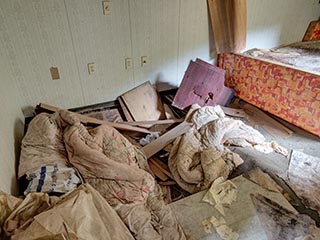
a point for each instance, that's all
(200, 156)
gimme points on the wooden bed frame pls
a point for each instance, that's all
(287, 92)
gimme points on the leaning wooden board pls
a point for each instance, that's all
(203, 84)
(144, 103)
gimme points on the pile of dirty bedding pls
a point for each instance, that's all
(93, 182)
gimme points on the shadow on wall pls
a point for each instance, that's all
(27, 111)
(17, 135)
(162, 84)
(212, 47)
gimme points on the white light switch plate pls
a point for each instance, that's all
(91, 68)
(128, 63)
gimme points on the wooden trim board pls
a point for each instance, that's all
(86, 119)
(158, 144)
(151, 123)
(162, 166)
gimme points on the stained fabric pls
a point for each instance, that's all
(43, 144)
(81, 214)
(200, 156)
(119, 171)
(107, 161)
(43, 156)
(8, 204)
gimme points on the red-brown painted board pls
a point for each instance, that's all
(203, 84)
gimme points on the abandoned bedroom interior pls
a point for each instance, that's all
(160, 119)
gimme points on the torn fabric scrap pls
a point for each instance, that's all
(221, 194)
(221, 227)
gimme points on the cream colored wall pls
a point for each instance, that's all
(272, 23)
(11, 119)
(38, 34)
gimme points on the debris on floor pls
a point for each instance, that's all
(240, 216)
(304, 178)
(261, 178)
(221, 194)
(179, 164)
(281, 223)
(221, 228)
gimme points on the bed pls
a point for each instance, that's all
(284, 81)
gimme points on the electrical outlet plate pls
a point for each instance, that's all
(91, 68)
(55, 73)
(144, 61)
(106, 7)
(128, 63)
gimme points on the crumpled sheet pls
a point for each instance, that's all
(21, 217)
(43, 156)
(80, 214)
(120, 172)
(199, 157)
(7, 205)
(43, 144)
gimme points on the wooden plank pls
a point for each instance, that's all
(110, 115)
(151, 123)
(168, 112)
(157, 172)
(144, 103)
(272, 126)
(202, 85)
(86, 119)
(168, 183)
(234, 112)
(229, 24)
(125, 110)
(158, 144)
(162, 166)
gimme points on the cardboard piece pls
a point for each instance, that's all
(144, 103)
